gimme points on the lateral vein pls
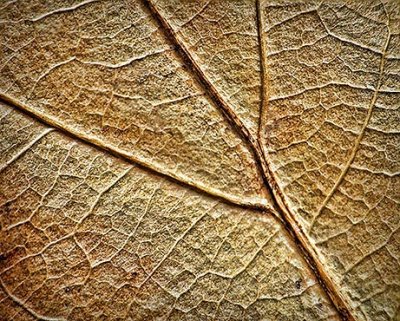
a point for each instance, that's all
(249, 202)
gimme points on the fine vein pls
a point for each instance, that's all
(291, 224)
(360, 136)
(253, 203)
(306, 249)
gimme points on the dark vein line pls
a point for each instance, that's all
(213, 93)
(288, 221)
(291, 224)
(306, 249)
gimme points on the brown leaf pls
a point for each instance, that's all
(176, 160)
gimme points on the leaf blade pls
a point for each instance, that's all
(96, 224)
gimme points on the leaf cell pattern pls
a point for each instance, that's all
(199, 160)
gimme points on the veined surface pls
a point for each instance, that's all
(203, 160)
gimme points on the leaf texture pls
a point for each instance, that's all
(116, 80)
(202, 160)
(88, 235)
(333, 75)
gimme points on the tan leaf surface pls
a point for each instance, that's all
(332, 74)
(222, 38)
(86, 235)
(105, 71)
(199, 160)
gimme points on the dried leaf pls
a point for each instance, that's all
(176, 160)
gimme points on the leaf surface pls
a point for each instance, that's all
(202, 160)
(86, 235)
(331, 136)
(117, 81)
